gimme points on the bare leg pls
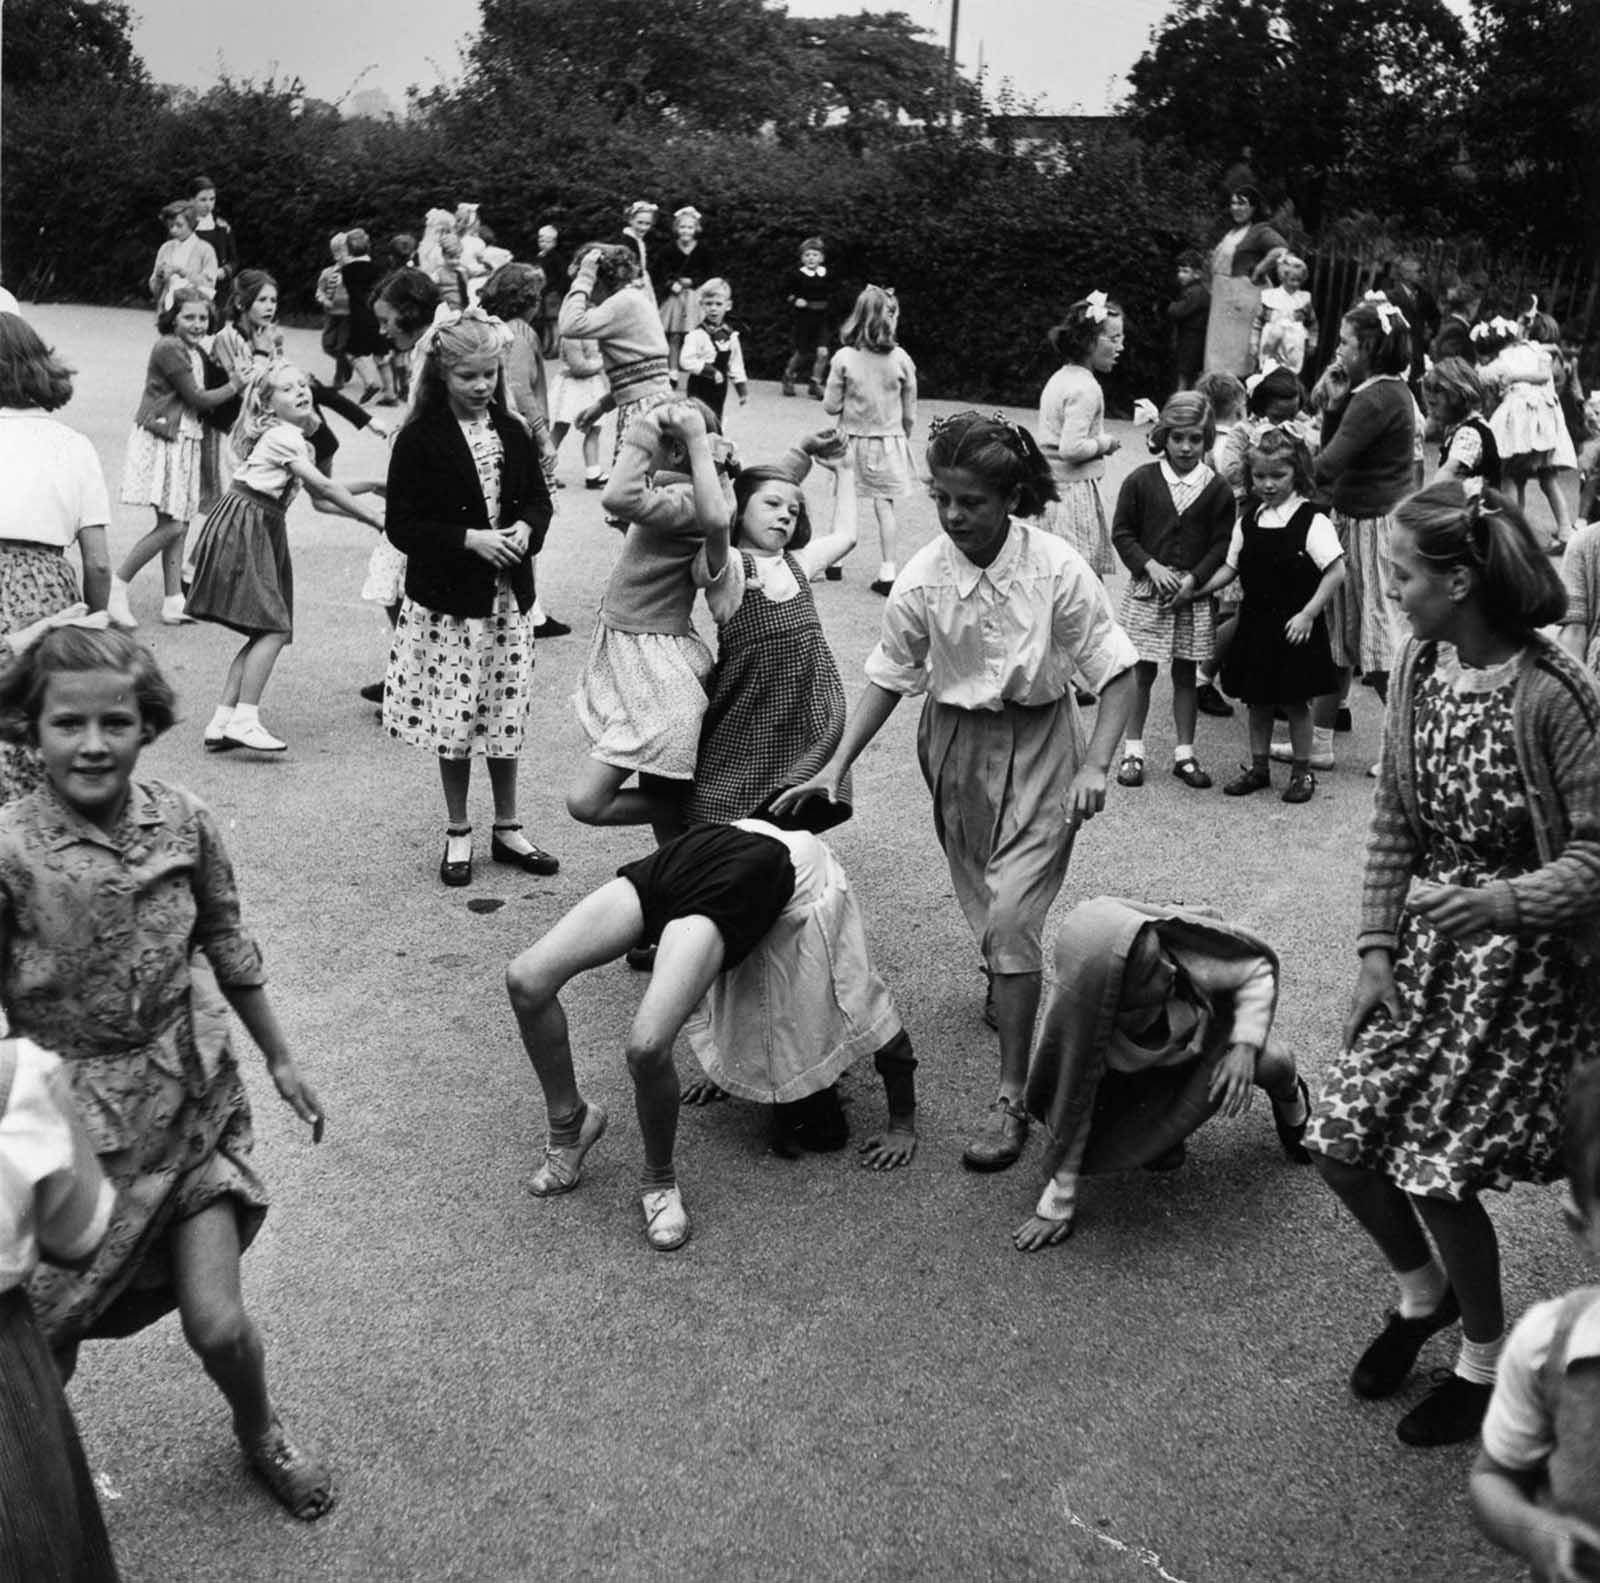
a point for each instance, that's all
(888, 535)
(1261, 732)
(1299, 729)
(1145, 674)
(167, 531)
(1550, 483)
(259, 655)
(596, 797)
(172, 563)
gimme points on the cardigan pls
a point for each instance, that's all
(1147, 526)
(1556, 715)
(1370, 456)
(433, 498)
(170, 386)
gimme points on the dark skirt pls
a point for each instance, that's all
(51, 1530)
(1263, 667)
(243, 577)
(739, 880)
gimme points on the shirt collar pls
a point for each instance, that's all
(1196, 478)
(63, 826)
(999, 571)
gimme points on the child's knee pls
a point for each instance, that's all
(529, 981)
(220, 1331)
(648, 1056)
(586, 802)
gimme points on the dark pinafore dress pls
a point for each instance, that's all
(1278, 578)
(777, 707)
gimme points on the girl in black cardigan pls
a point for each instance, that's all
(467, 503)
(1171, 528)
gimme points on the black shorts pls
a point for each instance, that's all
(739, 880)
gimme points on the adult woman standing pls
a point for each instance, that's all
(1239, 268)
(1480, 915)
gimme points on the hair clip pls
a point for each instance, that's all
(1095, 306)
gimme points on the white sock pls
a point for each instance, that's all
(887, 572)
(538, 613)
(221, 718)
(1421, 1290)
(1478, 1360)
(1322, 739)
(1186, 751)
(245, 715)
(1133, 748)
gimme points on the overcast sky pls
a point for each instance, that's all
(1069, 54)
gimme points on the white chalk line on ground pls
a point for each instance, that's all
(1140, 1553)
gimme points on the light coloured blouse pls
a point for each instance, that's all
(54, 487)
(1012, 632)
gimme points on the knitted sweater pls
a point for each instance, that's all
(1557, 720)
(1370, 455)
(1147, 526)
(633, 346)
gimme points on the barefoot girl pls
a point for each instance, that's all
(776, 709)
(1171, 529)
(1479, 918)
(109, 887)
(1072, 427)
(760, 919)
(989, 621)
(872, 385)
(166, 464)
(243, 577)
(1158, 1020)
(467, 504)
(642, 696)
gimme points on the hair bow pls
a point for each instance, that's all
(1388, 314)
(1095, 305)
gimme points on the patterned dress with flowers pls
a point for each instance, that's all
(108, 939)
(1465, 1090)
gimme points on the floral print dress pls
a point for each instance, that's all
(1465, 1091)
(104, 933)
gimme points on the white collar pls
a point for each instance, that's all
(1196, 478)
(1584, 1340)
(999, 571)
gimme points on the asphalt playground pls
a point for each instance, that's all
(844, 1375)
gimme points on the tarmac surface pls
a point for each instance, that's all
(845, 1375)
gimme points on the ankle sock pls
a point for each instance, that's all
(887, 572)
(1179, 754)
(1322, 739)
(1133, 748)
(221, 717)
(564, 1130)
(1478, 1361)
(245, 715)
(1421, 1290)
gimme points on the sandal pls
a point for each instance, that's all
(1131, 771)
(1192, 776)
(298, 1478)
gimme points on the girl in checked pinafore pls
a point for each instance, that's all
(777, 708)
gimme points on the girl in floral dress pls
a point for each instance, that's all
(1482, 895)
(119, 922)
(467, 504)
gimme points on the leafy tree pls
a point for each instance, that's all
(1533, 121)
(875, 71)
(690, 63)
(1332, 98)
(53, 44)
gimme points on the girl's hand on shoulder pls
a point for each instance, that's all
(1233, 1084)
(1036, 1232)
(1455, 910)
(1298, 627)
(491, 545)
(889, 1149)
(298, 1094)
(1375, 990)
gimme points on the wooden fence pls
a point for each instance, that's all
(1567, 285)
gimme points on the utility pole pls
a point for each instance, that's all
(950, 67)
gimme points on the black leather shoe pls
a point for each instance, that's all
(455, 873)
(1451, 1412)
(1292, 1134)
(641, 958)
(1383, 1367)
(551, 628)
(1210, 701)
(373, 692)
(533, 861)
